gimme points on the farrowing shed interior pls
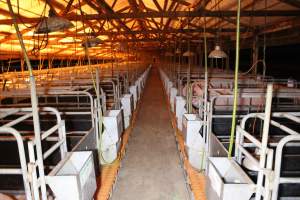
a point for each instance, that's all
(149, 99)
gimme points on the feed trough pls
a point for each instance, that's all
(228, 181)
(74, 177)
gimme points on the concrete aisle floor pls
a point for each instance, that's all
(151, 169)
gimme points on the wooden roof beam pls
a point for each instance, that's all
(68, 8)
(295, 3)
(152, 31)
(135, 8)
(281, 25)
(166, 26)
(169, 14)
(157, 5)
(110, 11)
(165, 14)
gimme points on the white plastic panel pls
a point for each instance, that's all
(127, 104)
(127, 121)
(169, 86)
(191, 126)
(196, 158)
(115, 118)
(113, 128)
(180, 110)
(134, 91)
(173, 94)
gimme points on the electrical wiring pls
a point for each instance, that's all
(20, 18)
(254, 65)
(43, 43)
(38, 44)
(265, 37)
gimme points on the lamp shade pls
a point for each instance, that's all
(178, 51)
(217, 53)
(91, 42)
(168, 53)
(53, 23)
(188, 54)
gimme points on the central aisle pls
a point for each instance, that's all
(151, 168)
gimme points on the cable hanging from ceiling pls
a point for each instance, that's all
(40, 42)
(46, 25)
(21, 19)
(218, 53)
(257, 60)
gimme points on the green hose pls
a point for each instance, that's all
(236, 74)
(205, 92)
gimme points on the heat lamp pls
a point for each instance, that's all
(188, 53)
(53, 23)
(178, 51)
(91, 42)
(217, 53)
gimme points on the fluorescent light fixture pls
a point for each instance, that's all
(217, 53)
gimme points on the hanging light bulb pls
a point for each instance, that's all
(178, 51)
(91, 42)
(53, 23)
(217, 53)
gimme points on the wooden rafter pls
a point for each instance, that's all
(68, 7)
(169, 14)
(152, 31)
(125, 8)
(135, 8)
(108, 10)
(295, 3)
(157, 5)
